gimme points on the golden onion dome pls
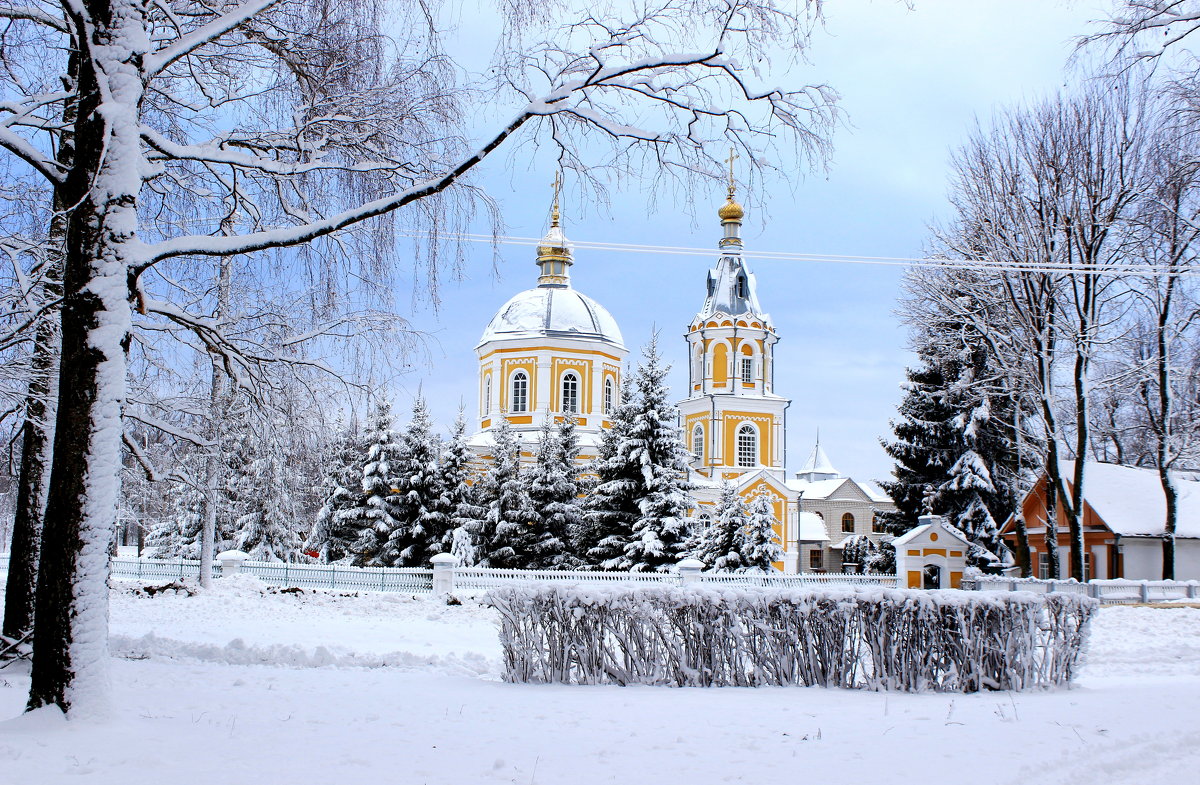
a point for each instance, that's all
(731, 211)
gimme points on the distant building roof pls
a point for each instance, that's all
(1130, 500)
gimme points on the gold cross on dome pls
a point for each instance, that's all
(557, 190)
(732, 157)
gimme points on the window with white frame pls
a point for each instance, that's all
(570, 393)
(748, 370)
(486, 404)
(608, 396)
(747, 446)
(698, 442)
(519, 401)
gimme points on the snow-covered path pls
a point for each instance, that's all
(437, 713)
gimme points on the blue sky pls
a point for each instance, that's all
(912, 83)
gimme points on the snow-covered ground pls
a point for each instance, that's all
(246, 685)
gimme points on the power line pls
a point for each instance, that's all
(889, 261)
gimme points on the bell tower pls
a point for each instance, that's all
(732, 419)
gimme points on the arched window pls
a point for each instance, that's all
(747, 446)
(877, 525)
(520, 392)
(741, 286)
(486, 404)
(748, 370)
(608, 396)
(698, 442)
(570, 393)
(848, 523)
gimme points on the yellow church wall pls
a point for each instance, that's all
(583, 369)
(511, 366)
(733, 421)
(527, 349)
(720, 365)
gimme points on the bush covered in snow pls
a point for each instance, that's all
(879, 639)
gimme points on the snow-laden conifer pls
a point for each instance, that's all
(417, 489)
(655, 446)
(759, 546)
(267, 528)
(611, 509)
(454, 474)
(717, 544)
(507, 511)
(340, 489)
(374, 516)
(553, 492)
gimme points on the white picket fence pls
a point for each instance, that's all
(1108, 592)
(421, 580)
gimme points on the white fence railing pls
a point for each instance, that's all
(421, 581)
(1109, 592)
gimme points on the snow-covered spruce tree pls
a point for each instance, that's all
(268, 527)
(611, 508)
(354, 127)
(418, 490)
(655, 446)
(503, 536)
(341, 489)
(954, 434)
(374, 516)
(454, 474)
(554, 494)
(718, 545)
(858, 551)
(759, 546)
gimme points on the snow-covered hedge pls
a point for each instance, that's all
(879, 639)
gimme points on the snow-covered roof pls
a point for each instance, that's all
(818, 462)
(811, 528)
(939, 525)
(817, 489)
(1130, 499)
(726, 295)
(554, 312)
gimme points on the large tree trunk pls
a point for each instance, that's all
(70, 644)
(40, 402)
(36, 434)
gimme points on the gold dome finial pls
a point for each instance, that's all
(731, 210)
(554, 253)
(557, 190)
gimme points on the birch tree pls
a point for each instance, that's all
(337, 129)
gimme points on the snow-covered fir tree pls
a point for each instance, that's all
(718, 544)
(267, 528)
(508, 513)
(454, 473)
(655, 446)
(859, 551)
(955, 434)
(611, 508)
(760, 546)
(553, 492)
(418, 491)
(340, 489)
(374, 515)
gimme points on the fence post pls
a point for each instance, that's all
(443, 574)
(231, 562)
(689, 571)
(1191, 590)
(1093, 590)
(1145, 591)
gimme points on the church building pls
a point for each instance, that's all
(552, 351)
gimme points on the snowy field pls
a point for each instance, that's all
(245, 685)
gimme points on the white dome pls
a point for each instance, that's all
(553, 312)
